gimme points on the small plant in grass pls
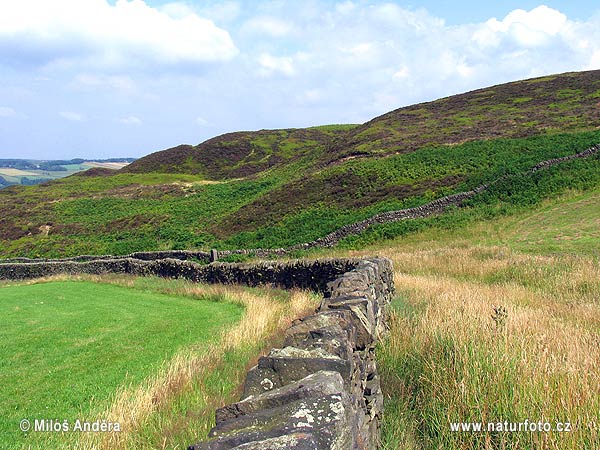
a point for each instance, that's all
(499, 317)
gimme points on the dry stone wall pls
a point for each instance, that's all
(303, 274)
(321, 389)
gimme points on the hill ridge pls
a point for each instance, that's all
(515, 109)
(281, 188)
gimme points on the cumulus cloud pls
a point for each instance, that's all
(526, 28)
(378, 56)
(177, 10)
(40, 32)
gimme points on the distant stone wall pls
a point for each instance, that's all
(303, 274)
(434, 207)
(144, 256)
(321, 390)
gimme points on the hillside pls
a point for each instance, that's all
(243, 153)
(559, 103)
(274, 188)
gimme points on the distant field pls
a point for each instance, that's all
(16, 172)
(30, 172)
(106, 165)
(68, 346)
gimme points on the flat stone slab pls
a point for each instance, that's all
(318, 423)
(315, 385)
(284, 366)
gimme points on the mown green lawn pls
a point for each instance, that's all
(67, 346)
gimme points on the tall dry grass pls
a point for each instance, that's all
(484, 334)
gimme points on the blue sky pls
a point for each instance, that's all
(99, 79)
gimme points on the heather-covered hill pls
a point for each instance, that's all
(273, 188)
(559, 103)
(243, 153)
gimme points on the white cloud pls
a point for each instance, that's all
(72, 116)
(177, 10)
(526, 28)
(128, 33)
(8, 112)
(368, 56)
(131, 120)
(271, 64)
(594, 63)
(266, 25)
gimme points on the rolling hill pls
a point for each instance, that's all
(272, 188)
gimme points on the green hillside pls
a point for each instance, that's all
(283, 187)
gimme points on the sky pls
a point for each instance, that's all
(124, 78)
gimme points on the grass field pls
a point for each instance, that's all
(15, 172)
(496, 321)
(133, 351)
(67, 346)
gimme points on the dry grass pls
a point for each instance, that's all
(485, 334)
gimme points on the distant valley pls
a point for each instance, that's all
(30, 171)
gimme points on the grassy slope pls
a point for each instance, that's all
(280, 187)
(451, 358)
(567, 224)
(68, 346)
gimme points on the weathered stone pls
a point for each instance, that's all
(283, 366)
(326, 418)
(317, 384)
(292, 441)
(324, 319)
(332, 339)
(362, 317)
(295, 441)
